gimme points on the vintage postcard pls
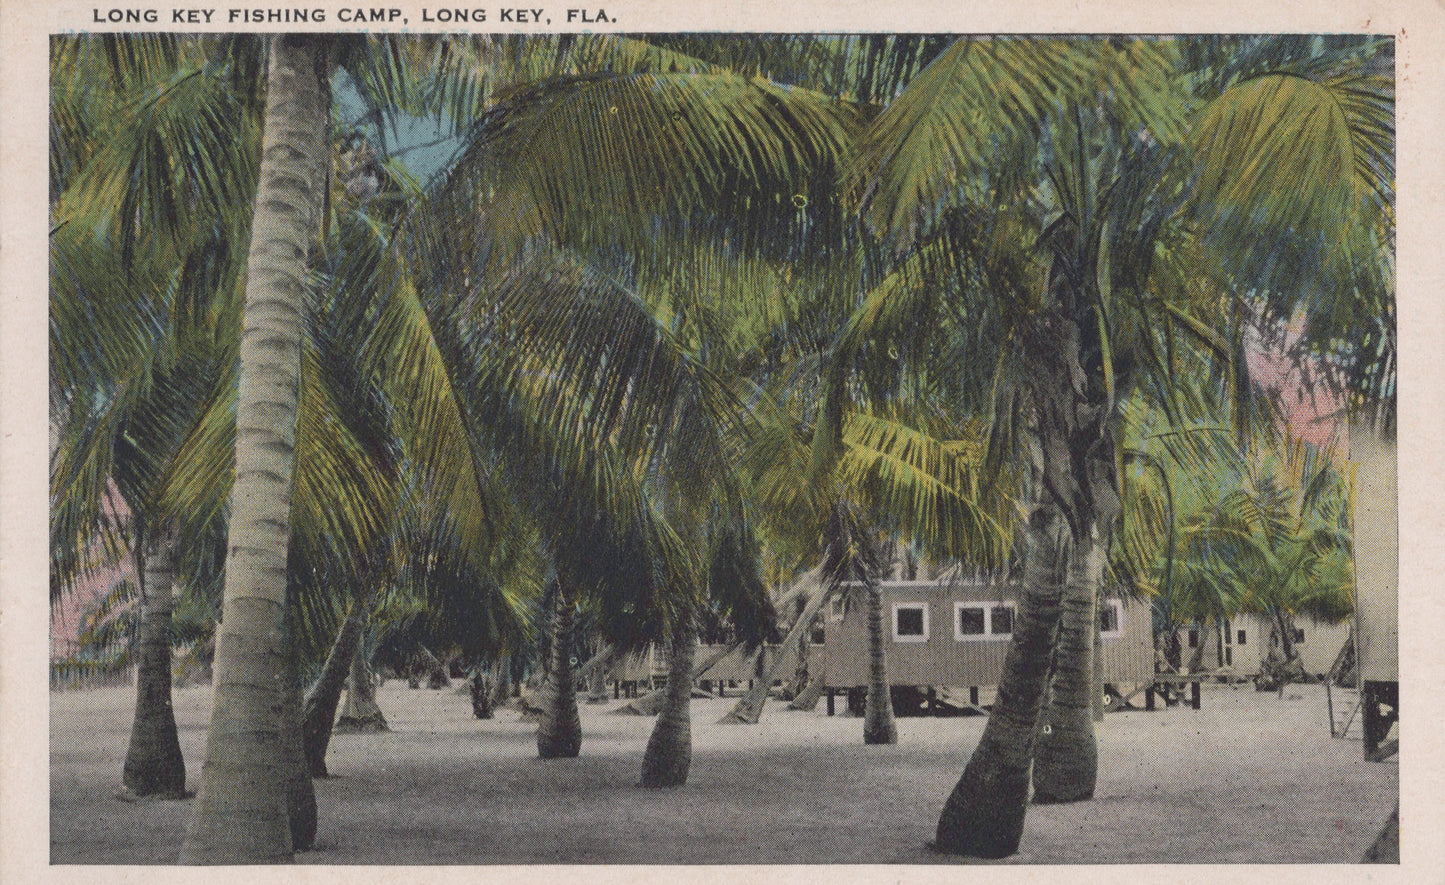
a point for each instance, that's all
(662, 440)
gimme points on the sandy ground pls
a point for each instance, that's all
(1251, 778)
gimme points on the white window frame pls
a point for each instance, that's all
(836, 607)
(1118, 606)
(921, 606)
(988, 609)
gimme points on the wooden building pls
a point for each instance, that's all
(1377, 573)
(954, 635)
(737, 668)
(1240, 644)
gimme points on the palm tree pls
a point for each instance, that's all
(1097, 160)
(731, 133)
(668, 757)
(1277, 541)
(153, 763)
(170, 160)
(852, 553)
(239, 814)
(290, 60)
(130, 385)
(896, 471)
(126, 219)
(559, 728)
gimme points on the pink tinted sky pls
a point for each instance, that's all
(1313, 415)
(65, 615)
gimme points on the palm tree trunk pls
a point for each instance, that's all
(240, 814)
(501, 681)
(1285, 624)
(319, 710)
(651, 703)
(559, 728)
(1076, 497)
(299, 790)
(1282, 664)
(807, 699)
(361, 714)
(1096, 689)
(749, 708)
(153, 763)
(1066, 760)
(878, 724)
(1196, 660)
(984, 815)
(479, 686)
(669, 748)
(596, 670)
(800, 669)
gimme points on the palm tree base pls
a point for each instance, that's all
(361, 724)
(879, 727)
(1066, 758)
(666, 768)
(668, 758)
(212, 836)
(566, 748)
(559, 729)
(164, 779)
(807, 699)
(128, 795)
(665, 775)
(301, 812)
(984, 815)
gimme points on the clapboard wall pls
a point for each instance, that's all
(948, 653)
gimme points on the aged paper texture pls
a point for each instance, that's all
(27, 750)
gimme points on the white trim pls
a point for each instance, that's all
(988, 609)
(920, 606)
(835, 608)
(1118, 607)
(938, 584)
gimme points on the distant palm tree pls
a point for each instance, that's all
(1277, 543)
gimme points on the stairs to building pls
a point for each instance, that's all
(1346, 721)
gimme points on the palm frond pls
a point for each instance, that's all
(1286, 166)
(944, 132)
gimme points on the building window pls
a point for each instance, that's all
(835, 608)
(1111, 618)
(1193, 638)
(983, 620)
(1239, 638)
(910, 622)
(1001, 620)
(1299, 634)
(817, 636)
(972, 621)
